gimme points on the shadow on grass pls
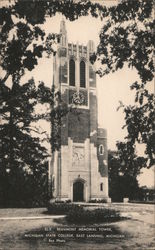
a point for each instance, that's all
(66, 232)
(63, 221)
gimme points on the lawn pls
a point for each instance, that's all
(35, 234)
(20, 212)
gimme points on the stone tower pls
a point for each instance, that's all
(79, 170)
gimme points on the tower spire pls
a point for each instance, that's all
(63, 33)
(63, 27)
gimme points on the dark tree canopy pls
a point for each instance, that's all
(22, 157)
(20, 28)
(123, 167)
(127, 37)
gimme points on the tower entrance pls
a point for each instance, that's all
(78, 191)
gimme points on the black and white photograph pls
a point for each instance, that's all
(77, 141)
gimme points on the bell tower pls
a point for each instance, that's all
(79, 170)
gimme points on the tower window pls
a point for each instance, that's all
(101, 186)
(101, 149)
(82, 74)
(71, 72)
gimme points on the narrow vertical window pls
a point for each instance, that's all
(71, 72)
(101, 149)
(101, 187)
(82, 74)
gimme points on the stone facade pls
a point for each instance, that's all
(79, 170)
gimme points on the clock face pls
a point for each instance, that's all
(78, 98)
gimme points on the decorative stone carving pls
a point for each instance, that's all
(78, 156)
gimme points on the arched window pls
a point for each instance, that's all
(82, 74)
(71, 72)
(101, 149)
(101, 186)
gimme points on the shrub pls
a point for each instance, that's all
(93, 201)
(142, 202)
(60, 207)
(57, 201)
(103, 201)
(98, 201)
(83, 216)
(68, 201)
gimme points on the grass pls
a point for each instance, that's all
(21, 212)
(138, 235)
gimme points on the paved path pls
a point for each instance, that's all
(33, 217)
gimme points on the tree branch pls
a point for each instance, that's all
(5, 78)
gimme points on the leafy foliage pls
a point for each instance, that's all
(124, 166)
(71, 9)
(127, 37)
(22, 156)
(140, 124)
(58, 109)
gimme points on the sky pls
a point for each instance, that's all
(111, 88)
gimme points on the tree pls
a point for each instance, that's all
(127, 37)
(124, 166)
(57, 110)
(22, 43)
(22, 155)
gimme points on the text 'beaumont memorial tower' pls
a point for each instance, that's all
(79, 170)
